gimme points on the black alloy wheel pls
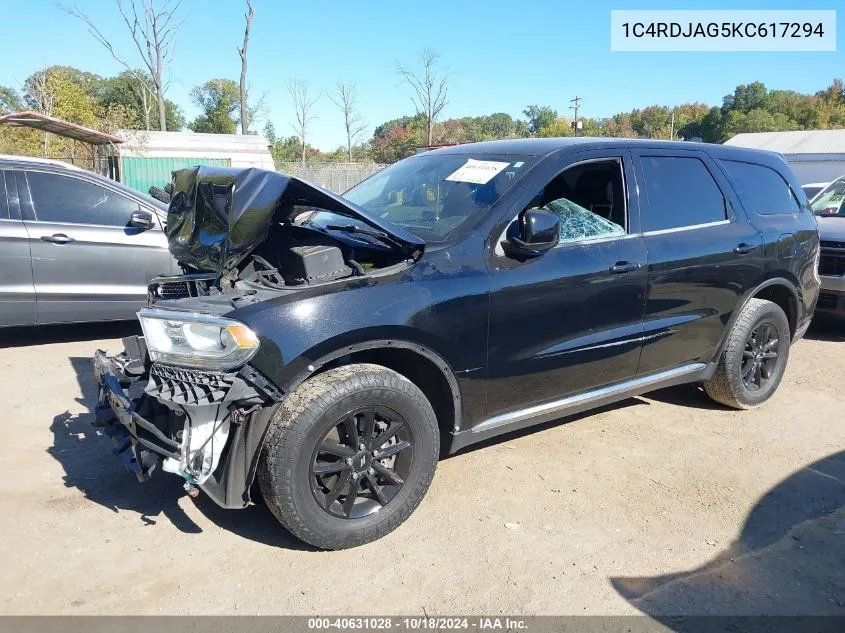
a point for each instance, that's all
(362, 462)
(760, 357)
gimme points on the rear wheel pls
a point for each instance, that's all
(754, 359)
(349, 455)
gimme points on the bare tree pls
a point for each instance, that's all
(38, 92)
(303, 105)
(153, 31)
(353, 122)
(430, 87)
(246, 114)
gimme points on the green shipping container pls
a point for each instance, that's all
(142, 173)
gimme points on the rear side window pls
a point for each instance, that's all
(681, 193)
(72, 200)
(761, 188)
(4, 204)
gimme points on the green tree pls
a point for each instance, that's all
(539, 117)
(219, 100)
(137, 97)
(10, 100)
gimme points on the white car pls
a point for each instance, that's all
(812, 189)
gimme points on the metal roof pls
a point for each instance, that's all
(789, 143)
(58, 126)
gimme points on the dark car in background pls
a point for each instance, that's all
(829, 207)
(332, 346)
(75, 246)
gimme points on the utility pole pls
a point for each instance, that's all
(576, 122)
(672, 127)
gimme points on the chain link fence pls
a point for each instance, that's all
(336, 177)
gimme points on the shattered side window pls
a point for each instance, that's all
(577, 223)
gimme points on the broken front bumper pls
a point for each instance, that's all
(204, 426)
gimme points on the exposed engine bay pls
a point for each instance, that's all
(251, 230)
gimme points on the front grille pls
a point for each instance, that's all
(173, 290)
(827, 300)
(832, 265)
(827, 244)
(188, 386)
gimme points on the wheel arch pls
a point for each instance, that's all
(424, 367)
(779, 291)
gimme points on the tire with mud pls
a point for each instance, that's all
(349, 455)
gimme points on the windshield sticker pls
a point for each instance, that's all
(479, 172)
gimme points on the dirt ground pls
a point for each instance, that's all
(666, 504)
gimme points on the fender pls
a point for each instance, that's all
(260, 421)
(422, 350)
(750, 294)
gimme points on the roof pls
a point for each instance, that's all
(33, 160)
(546, 146)
(145, 142)
(790, 143)
(46, 123)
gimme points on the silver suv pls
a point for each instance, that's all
(75, 246)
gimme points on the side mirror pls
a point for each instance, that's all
(141, 220)
(539, 230)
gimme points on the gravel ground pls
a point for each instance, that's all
(666, 504)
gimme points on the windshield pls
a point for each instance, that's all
(433, 195)
(829, 201)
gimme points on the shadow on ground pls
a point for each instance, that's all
(44, 334)
(85, 453)
(788, 560)
(826, 329)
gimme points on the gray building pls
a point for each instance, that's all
(814, 155)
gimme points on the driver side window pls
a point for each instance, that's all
(589, 199)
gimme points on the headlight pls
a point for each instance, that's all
(197, 340)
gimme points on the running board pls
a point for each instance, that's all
(578, 403)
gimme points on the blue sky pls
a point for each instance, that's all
(501, 55)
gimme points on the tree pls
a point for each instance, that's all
(10, 100)
(218, 99)
(539, 117)
(154, 35)
(127, 91)
(270, 132)
(430, 88)
(303, 106)
(353, 122)
(246, 115)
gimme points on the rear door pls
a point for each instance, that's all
(17, 292)
(88, 263)
(703, 255)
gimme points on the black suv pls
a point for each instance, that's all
(334, 346)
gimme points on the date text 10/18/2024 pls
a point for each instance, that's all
(418, 623)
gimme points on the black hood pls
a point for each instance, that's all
(219, 215)
(831, 229)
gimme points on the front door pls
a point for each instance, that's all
(88, 264)
(570, 320)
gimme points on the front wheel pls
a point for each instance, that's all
(349, 455)
(754, 359)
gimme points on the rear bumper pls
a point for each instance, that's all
(206, 427)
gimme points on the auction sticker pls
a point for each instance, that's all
(479, 172)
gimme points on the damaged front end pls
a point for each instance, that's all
(205, 425)
(184, 396)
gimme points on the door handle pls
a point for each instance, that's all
(57, 238)
(624, 267)
(744, 248)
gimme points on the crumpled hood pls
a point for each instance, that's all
(831, 229)
(219, 215)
